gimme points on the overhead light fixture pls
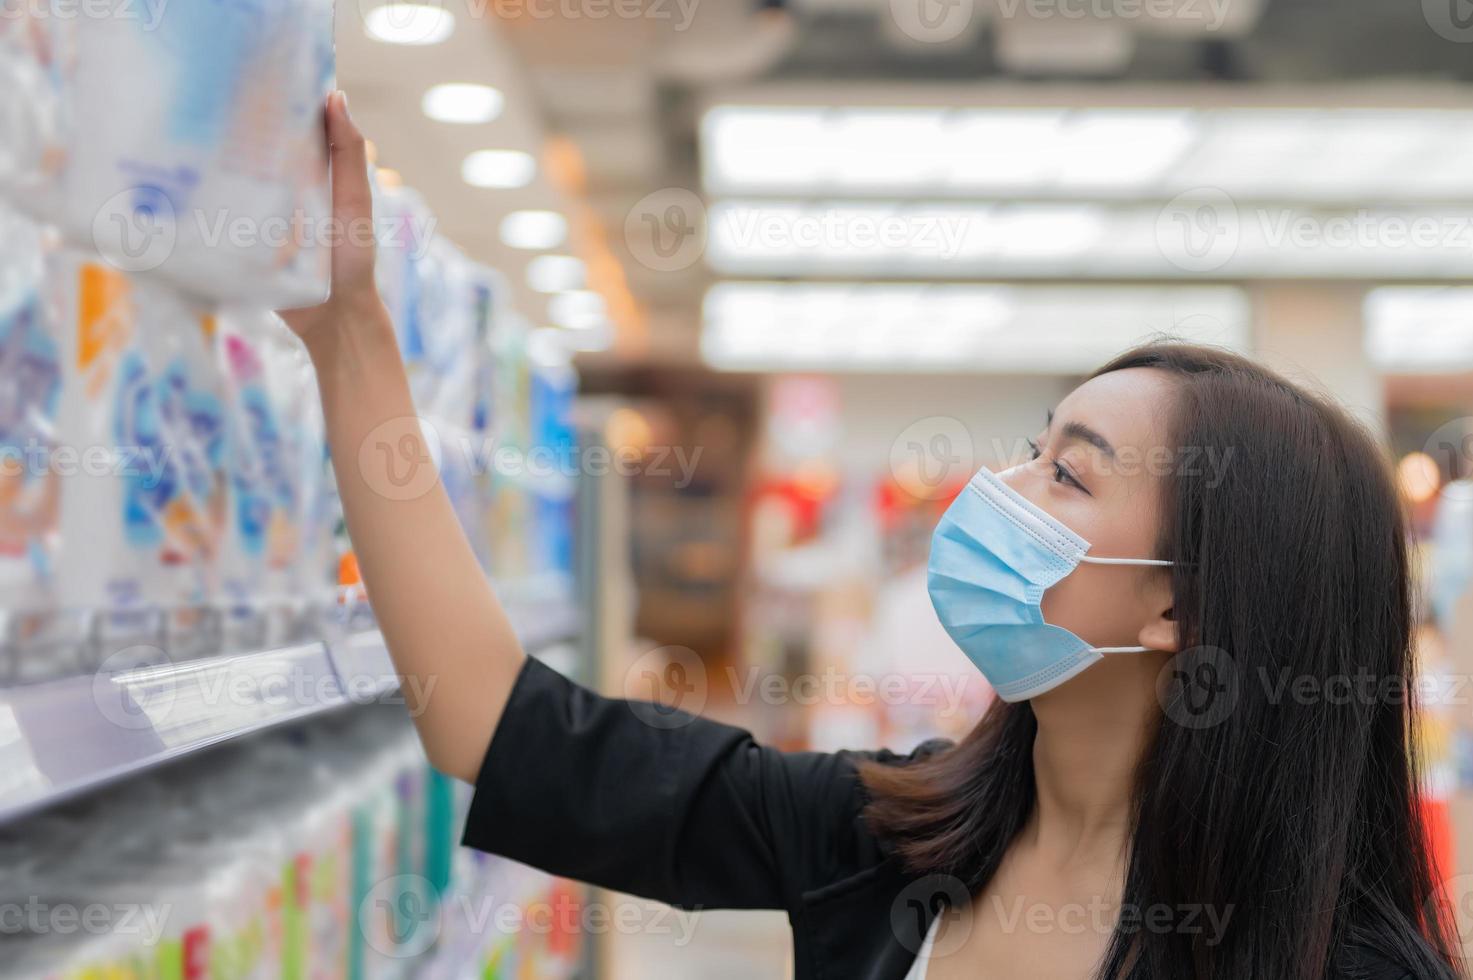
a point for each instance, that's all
(409, 23)
(1249, 153)
(499, 169)
(578, 309)
(534, 230)
(555, 273)
(465, 103)
(979, 328)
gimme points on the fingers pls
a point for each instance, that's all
(351, 199)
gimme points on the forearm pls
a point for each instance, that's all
(446, 632)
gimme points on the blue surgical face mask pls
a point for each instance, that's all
(992, 556)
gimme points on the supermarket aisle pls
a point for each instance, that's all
(717, 946)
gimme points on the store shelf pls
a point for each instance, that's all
(61, 737)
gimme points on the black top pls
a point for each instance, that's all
(688, 811)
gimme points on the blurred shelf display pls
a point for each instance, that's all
(63, 736)
(196, 711)
(319, 850)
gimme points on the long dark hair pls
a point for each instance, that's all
(1298, 816)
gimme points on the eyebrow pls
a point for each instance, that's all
(1083, 433)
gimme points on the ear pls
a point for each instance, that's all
(1159, 633)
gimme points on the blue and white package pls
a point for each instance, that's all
(185, 141)
(30, 391)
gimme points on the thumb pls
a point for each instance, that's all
(348, 150)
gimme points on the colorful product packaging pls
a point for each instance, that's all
(141, 431)
(183, 138)
(30, 392)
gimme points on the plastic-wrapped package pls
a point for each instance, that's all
(184, 510)
(405, 229)
(184, 137)
(141, 425)
(254, 463)
(30, 390)
(38, 58)
(314, 580)
(442, 377)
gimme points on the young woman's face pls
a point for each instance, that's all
(1098, 468)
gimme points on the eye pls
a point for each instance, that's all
(1062, 475)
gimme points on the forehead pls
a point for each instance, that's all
(1130, 408)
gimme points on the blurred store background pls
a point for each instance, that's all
(785, 273)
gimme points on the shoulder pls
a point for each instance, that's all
(926, 750)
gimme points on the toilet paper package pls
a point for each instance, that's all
(280, 557)
(405, 228)
(261, 528)
(442, 377)
(30, 389)
(311, 576)
(182, 138)
(141, 436)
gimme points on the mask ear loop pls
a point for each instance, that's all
(1124, 561)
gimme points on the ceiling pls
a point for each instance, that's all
(611, 95)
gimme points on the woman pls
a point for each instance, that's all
(1217, 783)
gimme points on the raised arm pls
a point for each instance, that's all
(445, 630)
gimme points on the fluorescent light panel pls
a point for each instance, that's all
(961, 240)
(1295, 154)
(954, 327)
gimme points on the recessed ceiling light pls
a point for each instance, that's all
(409, 23)
(555, 273)
(578, 309)
(501, 169)
(463, 102)
(534, 229)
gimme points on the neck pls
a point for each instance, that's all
(1084, 761)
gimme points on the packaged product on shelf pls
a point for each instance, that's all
(141, 426)
(186, 138)
(315, 581)
(37, 55)
(184, 507)
(443, 374)
(30, 390)
(281, 548)
(552, 392)
(405, 227)
(259, 490)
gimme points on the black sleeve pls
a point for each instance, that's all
(667, 806)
